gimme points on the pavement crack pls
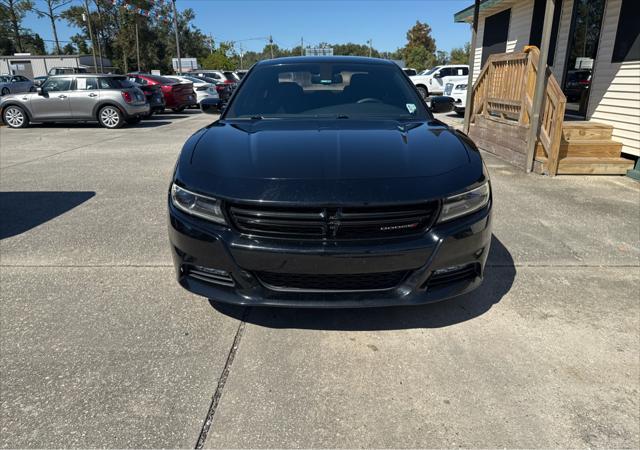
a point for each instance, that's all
(206, 426)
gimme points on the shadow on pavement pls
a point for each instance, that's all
(22, 211)
(147, 123)
(498, 279)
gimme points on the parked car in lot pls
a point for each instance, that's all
(409, 71)
(457, 89)
(241, 73)
(177, 96)
(154, 96)
(224, 90)
(336, 189)
(432, 82)
(202, 88)
(110, 100)
(10, 84)
(221, 76)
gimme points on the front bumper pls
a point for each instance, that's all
(463, 242)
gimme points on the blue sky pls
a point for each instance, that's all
(384, 21)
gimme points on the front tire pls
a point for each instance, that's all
(5, 91)
(424, 92)
(15, 117)
(110, 117)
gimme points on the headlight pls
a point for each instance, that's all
(465, 203)
(461, 87)
(197, 205)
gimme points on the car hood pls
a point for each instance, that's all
(325, 160)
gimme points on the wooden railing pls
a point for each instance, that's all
(504, 92)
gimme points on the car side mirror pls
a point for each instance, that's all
(41, 91)
(437, 75)
(441, 104)
(211, 105)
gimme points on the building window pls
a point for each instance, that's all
(496, 32)
(627, 46)
(535, 36)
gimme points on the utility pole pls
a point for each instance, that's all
(370, 42)
(137, 44)
(302, 46)
(211, 42)
(175, 25)
(270, 44)
(100, 35)
(93, 44)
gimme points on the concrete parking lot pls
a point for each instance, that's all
(101, 348)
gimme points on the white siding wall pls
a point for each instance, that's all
(520, 25)
(4, 67)
(562, 41)
(615, 87)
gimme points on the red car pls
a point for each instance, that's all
(177, 96)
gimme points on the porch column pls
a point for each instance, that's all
(472, 58)
(541, 84)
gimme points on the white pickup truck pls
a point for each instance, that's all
(432, 82)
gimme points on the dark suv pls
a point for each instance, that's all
(111, 100)
(327, 182)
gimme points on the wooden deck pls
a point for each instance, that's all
(501, 110)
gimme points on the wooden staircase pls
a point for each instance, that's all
(585, 148)
(500, 114)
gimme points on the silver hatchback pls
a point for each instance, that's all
(111, 100)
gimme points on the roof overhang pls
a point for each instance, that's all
(487, 7)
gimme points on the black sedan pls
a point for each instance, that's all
(327, 182)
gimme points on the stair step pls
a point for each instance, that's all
(592, 148)
(581, 131)
(587, 165)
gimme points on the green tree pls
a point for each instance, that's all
(15, 10)
(460, 55)
(220, 58)
(442, 58)
(419, 58)
(51, 12)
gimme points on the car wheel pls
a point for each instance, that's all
(134, 120)
(424, 93)
(15, 117)
(110, 117)
(5, 91)
(178, 110)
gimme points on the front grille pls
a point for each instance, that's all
(448, 88)
(464, 273)
(328, 283)
(362, 222)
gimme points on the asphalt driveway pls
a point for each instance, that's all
(99, 347)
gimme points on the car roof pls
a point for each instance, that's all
(325, 59)
(80, 75)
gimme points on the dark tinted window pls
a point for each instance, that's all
(231, 76)
(115, 83)
(627, 46)
(57, 84)
(327, 90)
(535, 36)
(159, 79)
(496, 30)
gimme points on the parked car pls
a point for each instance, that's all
(221, 76)
(66, 70)
(458, 91)
(177, 96)
(576, 84)
(10, 84)
(241, 73)
(202, 88)
(154, 96)
(110, 100)
(332, 191)
(37, 81)
(409, 71)
(431, 83)
(224, 90)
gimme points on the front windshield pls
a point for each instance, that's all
(429, 72)
(331, 89)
